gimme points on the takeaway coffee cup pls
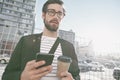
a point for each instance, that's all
(63, 64)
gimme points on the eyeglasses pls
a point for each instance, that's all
(52, 12)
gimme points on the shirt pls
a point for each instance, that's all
(46, 45)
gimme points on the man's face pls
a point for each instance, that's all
(53, 16)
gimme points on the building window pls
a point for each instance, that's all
(33, 7)
(6, 11)
(1, 5)
(27, 6)
(28, 11)
(19, 0)
(1, 29)
(1, 20)
(31, 16)
(21, 10)
(23, 1)
(1, 0)
(10, 1)
(18, 4)
(7, 5)
(7, 0)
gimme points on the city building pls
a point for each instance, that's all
(84, 49)
(17, 18)
(67, 35)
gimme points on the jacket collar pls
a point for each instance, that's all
(37, 42)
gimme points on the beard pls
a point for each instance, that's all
(53, 28)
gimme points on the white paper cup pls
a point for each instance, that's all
(63, 64)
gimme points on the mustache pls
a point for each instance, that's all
(54, 20)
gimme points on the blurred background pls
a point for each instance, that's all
(92, 26)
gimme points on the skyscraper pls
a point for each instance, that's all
(17, 18)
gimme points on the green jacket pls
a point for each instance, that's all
(26, 50)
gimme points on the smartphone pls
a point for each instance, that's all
(43, 56)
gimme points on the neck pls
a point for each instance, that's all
(48, 33)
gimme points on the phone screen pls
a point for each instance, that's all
(47, 57)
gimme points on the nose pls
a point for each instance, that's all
(56, 16)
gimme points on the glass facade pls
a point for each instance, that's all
(17, 19)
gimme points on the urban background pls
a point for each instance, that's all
(17, 19)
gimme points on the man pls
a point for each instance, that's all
(23, 66)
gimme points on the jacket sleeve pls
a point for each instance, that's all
(13, 68)
(74, 69)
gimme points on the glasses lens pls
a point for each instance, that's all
(60, 14)
(52, 12)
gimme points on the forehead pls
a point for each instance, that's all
(56, 7)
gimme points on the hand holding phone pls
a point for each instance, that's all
(48, 58)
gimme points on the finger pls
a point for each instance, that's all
(65, 78)
(38, 76)
(33, 64)
(39, 63)
(43, 69)
(64, 74)
(30, 64)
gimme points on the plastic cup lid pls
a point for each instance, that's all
(65, 59)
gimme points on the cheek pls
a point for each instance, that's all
(59, 21)
(47, 19)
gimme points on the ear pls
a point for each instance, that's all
(43, 15)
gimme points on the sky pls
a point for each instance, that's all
(96, 20)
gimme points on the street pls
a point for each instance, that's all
(91, 75)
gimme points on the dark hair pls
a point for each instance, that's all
(45, 6)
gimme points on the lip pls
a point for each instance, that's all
(55, 22)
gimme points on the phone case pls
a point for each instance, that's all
(47, 57)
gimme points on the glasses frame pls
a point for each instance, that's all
(52, 12)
